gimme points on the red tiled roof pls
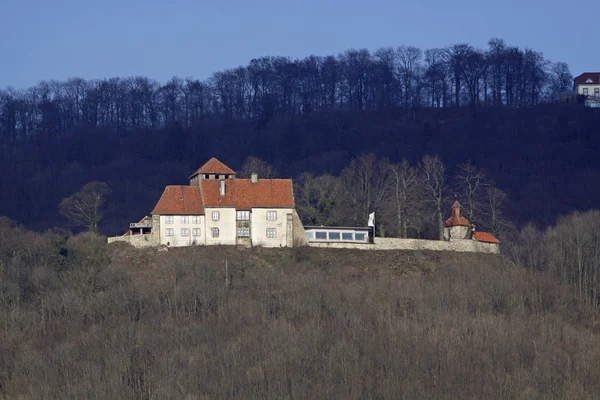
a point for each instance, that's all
(244, 195)
(581, 79)
(214, 166)
(485, 237)
(456, 219)
(180, 200)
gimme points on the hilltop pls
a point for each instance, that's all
(83, 319)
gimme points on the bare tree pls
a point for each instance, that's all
(471, 185)
(256, 165)
(363, 183)
(561, 80)
(405, 188)
(495, 57)
(409, 58)
(435, 75)
(433, 178)
(494, 209)
(84, 208)
(456, 57)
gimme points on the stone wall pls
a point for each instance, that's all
(136, 240)
(298, 232)
(471, 246)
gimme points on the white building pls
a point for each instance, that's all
(218, 208)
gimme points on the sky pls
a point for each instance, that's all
(60, 39)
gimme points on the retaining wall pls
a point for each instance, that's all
(466, 245)
(136, 240)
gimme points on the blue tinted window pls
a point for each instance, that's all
(310, 235)
(321, 235)
(360, 237)
(334, 236)
(347, 236)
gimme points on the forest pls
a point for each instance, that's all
(496, 109)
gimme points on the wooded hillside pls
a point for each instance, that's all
(494, 107)
(85, 320)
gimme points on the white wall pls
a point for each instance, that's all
(259, 225)
(178, 240)
(456, 232)
(226, 225)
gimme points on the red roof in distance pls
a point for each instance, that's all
(456, 219)
(180, 200)
(485, 237)
(244, 195)
(582, 79)
(213, 166)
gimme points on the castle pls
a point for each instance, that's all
(217, 208)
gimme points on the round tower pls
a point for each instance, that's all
(456, 227)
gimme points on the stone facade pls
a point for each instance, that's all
(136, 240)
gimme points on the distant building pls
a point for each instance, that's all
(219, 209)
(458, 227)
(588, 86)
(321, 234)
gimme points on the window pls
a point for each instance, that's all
(169, 232)
(334, 236)
(347, 236)
(205, 176)
(169, 219)
(596, 92)
(215, 215)
(271, 233)
(360, 237)
(585, 91)
(243, 232)
(215, 232)
(185, 220)
(196, 219)
(321, 235)
(185, 232)
(196, 232)
(243, 215)
(310, 235)
(271, 215)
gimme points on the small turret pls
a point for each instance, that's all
(456, 227)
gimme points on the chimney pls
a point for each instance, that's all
(222, 187)
(254, 177)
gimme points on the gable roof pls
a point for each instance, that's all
(180, 200)
(244, 195)
(213, 166)
(485, 237)
(456, 219)
(583, 78)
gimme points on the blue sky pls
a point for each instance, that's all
(58, 39)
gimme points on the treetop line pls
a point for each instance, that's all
(356, 80)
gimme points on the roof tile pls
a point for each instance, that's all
(485, 237)
(244, 195)
(213, 166)
(180, 200)
(593, 76)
